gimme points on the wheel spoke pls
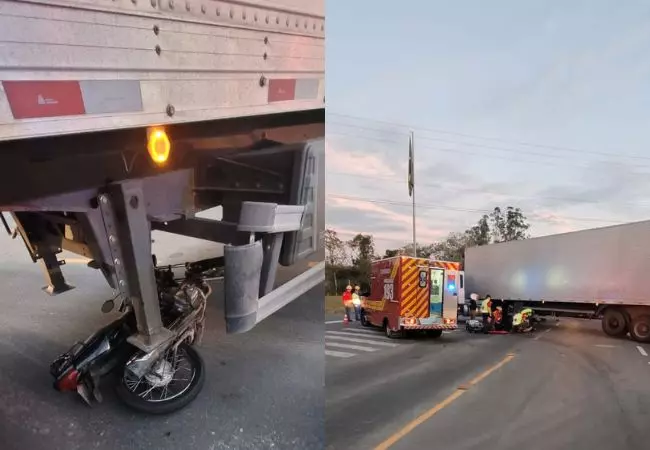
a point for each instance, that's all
(169, 381)
(148, 391)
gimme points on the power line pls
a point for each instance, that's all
(451, 208)
(506, 141)
(394, 179)
(471, 144)
(463, 152)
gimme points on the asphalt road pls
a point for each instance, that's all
(563, 387)
(264, 389)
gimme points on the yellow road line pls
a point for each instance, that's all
(440, 406)
(495, 367)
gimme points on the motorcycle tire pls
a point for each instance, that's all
(136, 402)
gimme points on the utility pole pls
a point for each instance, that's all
(412, 185)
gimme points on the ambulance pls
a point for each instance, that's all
(408, 293)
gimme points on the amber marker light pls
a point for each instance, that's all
(158, 145)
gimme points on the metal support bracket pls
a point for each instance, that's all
(129, 240)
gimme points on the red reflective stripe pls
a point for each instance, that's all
(281, 90)
(32, 99)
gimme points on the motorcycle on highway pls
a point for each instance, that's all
(176, 376)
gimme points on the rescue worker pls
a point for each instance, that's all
(473, 306)
(497, 316)
(356, 302)
(521, 321)
(486, 312)
(347, 302)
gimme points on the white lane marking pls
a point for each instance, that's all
(356, 330)
(378, 336)
(336, 354)
(361, 341)
(351, 346)
(536, 338)
(604, 346)
(333, 321)
(641, 350)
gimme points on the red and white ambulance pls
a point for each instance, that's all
(410, 293)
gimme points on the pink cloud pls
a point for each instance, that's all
(424, 232)
(552, 222)
(337, 159)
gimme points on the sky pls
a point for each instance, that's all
(542, 105)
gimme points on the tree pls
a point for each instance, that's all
(452, 248)
(424, 251)
(498, 225)
(390, 253)
(363, 248)
(510, 225)
(363, 252)
(479, 234)
(335, 254)
(516, 225)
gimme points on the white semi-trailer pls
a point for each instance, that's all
(597, 273)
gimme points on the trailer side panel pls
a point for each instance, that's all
(605, 265)
(72, 66)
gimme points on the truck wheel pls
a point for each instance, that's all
(640, 329)
(614, 323)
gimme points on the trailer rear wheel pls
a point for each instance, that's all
(640, 329)
(614, 323)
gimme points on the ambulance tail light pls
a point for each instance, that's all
(447, 321)
(410, 321)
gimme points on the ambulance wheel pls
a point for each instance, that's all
(390, 333)
(364, 320)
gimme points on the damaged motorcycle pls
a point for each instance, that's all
(160, 382)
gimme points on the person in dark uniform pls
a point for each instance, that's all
(473, 306)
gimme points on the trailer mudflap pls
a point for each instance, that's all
(242, 274)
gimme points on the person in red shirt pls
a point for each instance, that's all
(347, 302)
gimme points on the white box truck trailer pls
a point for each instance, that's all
(119, 117)
(597, 273)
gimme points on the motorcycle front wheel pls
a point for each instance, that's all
(172, 383)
